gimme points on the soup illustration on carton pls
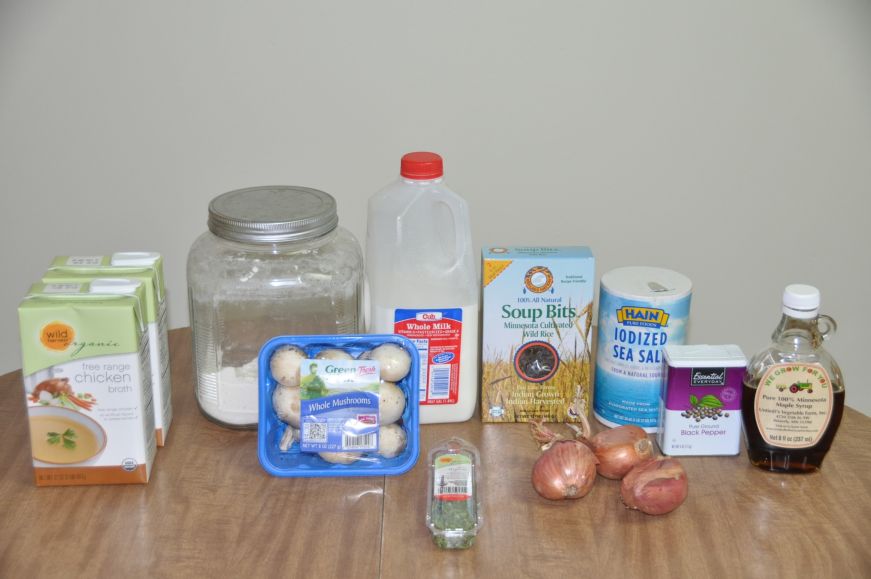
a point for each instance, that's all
(536, 354)
(63, 436)
(87, 382)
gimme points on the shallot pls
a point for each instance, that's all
(656, 486)
(567, 470)
(619, 449)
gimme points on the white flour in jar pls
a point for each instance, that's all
(232, 399)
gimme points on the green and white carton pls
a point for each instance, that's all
(87, 382)
(148, 268)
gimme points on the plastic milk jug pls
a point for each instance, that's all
(423, 284)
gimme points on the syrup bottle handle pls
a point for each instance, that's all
(827, 326)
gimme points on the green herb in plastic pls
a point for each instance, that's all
(454, 513)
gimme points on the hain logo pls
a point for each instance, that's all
(57, 336)
(647, 317)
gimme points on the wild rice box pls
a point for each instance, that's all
(538, 304)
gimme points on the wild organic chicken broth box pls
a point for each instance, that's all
(87, 382)
(537, 306)
(146, 267)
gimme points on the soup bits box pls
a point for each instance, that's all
(87, 382)
(537, 312)
(700, 404)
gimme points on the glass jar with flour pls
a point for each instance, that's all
(273, 262)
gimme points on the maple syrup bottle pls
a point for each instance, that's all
(793, 389)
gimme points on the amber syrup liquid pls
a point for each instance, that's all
(778, 458)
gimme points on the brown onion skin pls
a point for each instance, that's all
(656, 487)
(567, 470)
(619, 449)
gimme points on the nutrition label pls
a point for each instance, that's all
(437, 336)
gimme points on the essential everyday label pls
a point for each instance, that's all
(794, 405)
(339, 405)
(700, 411)
(437, 334)
(452, 478)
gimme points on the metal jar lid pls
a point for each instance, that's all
(275, 214)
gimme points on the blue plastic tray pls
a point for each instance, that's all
(293, 463)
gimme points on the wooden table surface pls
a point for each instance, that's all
(210, 509)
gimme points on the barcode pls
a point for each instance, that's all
(440, 381)
(454, 490)
(85, 260)
(314, 432)
(361, 442)
(62, 288)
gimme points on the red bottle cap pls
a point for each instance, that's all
(421, 165)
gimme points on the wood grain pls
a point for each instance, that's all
(738, 521)
(210, 509)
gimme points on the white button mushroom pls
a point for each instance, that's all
(333, 354)
(341, 457)
(285, 401)
(392, 440)
(394, 360)
(290, 434)
(284, 364)
(391, 404)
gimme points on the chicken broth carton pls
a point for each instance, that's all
(87, 382)
(537, 317)
(146, 267)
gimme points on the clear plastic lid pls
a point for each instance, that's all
(454, 505)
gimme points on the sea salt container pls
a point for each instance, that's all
(700, 405)
(641, 310)
(275, 261)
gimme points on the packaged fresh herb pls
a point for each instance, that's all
(454, 508)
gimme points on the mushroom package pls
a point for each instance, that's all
(338, 403)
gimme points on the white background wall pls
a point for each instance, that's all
(728, 140)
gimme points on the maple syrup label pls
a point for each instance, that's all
(794, 405)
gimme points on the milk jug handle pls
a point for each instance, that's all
(460, 231)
